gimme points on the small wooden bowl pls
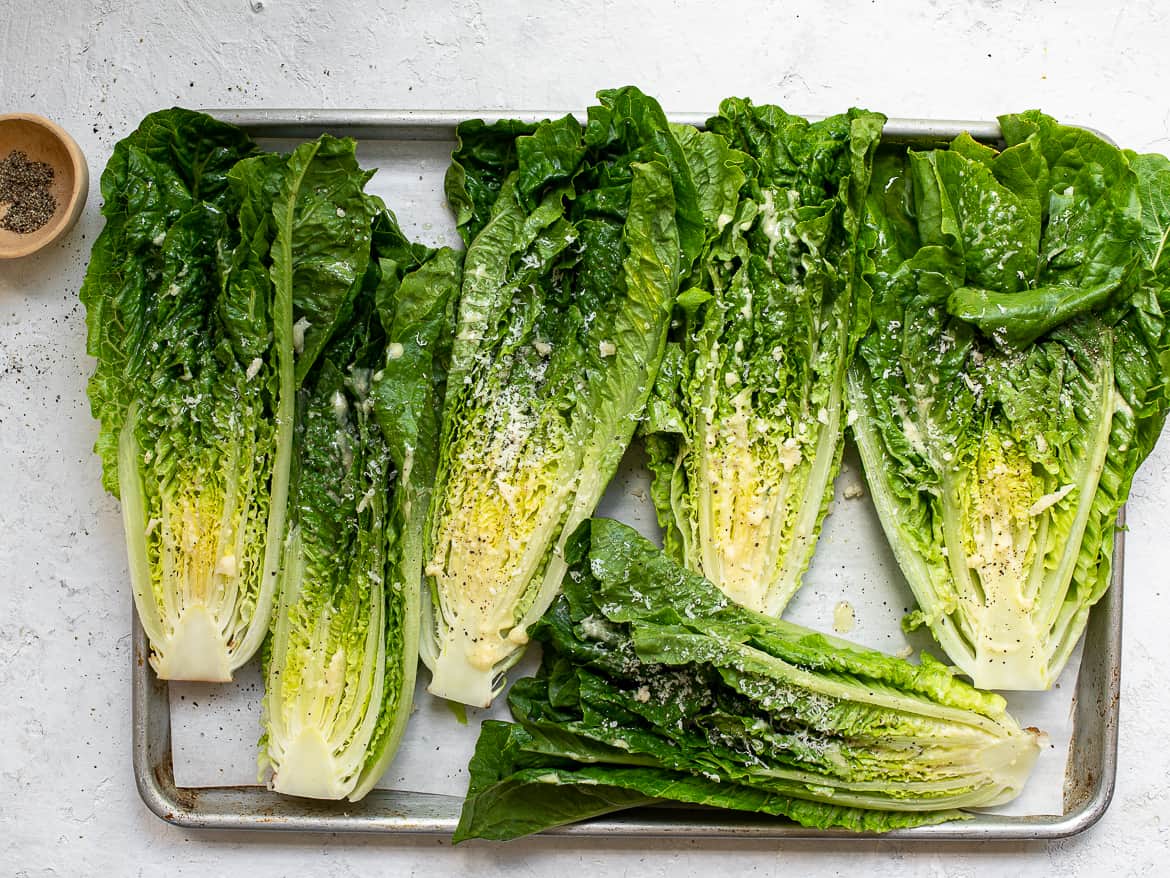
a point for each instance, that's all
(45, 142)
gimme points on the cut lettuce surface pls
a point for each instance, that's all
(744, 433)
(340, 665)
(1013, 380)
(578, 239)
(655, 686)
(217, 280)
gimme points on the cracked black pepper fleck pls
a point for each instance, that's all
(24, 187)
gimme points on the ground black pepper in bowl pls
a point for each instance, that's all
(24, 187)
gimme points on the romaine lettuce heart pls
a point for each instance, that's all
(1012, 381)
(745, 429)
(578, 240)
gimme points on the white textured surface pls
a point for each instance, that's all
(67, 800)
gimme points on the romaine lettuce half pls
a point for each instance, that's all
(567, 292)
(1013, 380)
(654, 685)
(746, 426)
(216, 281)
(340, 665)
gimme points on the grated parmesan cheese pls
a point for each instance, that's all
(299, 329)
(1049, 500)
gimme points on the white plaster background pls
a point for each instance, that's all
(67, 800)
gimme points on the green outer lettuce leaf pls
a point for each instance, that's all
(654, 686)
(485, 156)
(515, 792)
(174, 159)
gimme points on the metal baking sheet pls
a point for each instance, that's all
(179, 730)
